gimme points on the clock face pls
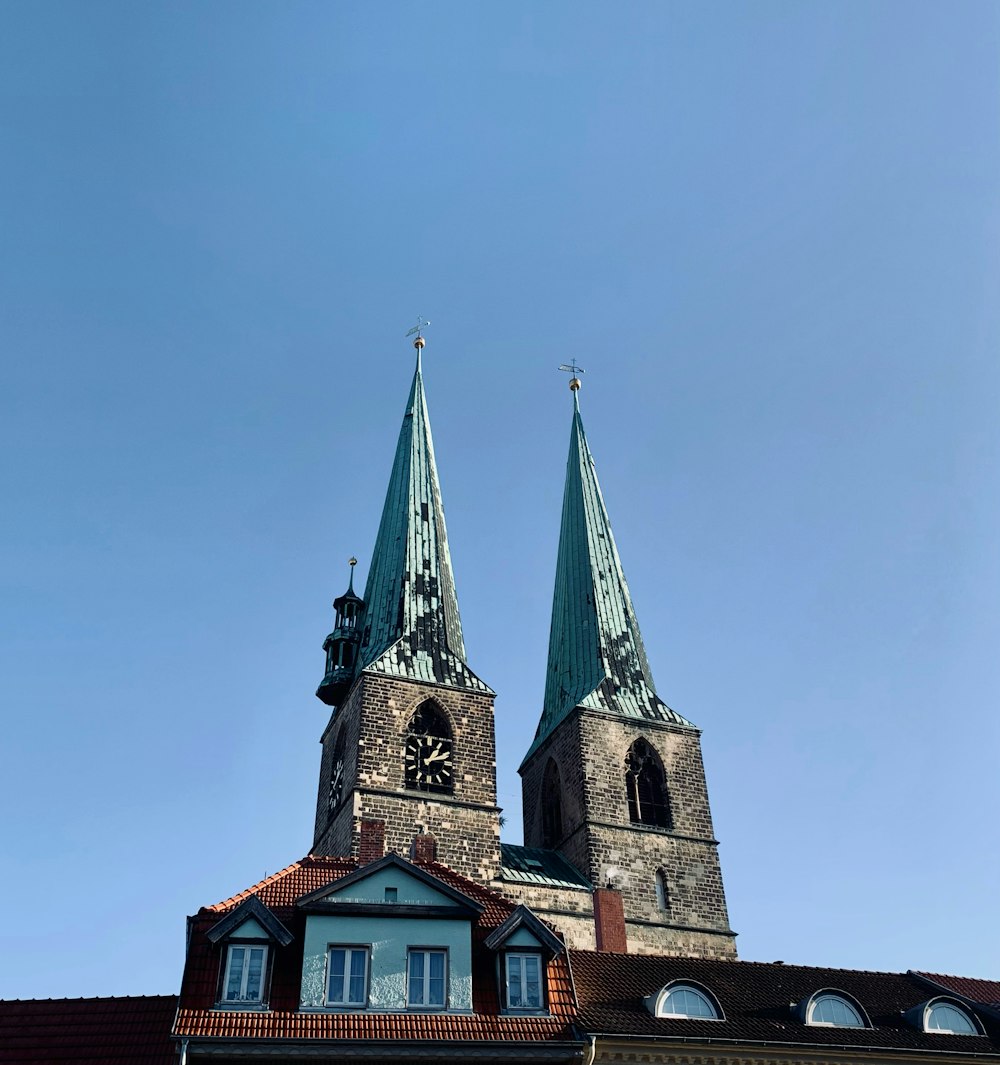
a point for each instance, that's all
(336, 781)
(428, 763)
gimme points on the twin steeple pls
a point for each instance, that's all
(596, 654)
(410, 625)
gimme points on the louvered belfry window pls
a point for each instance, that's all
(646, 786)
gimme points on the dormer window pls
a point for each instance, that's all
(347, 976)
(684, 1001)
(948, 1018)
(247, 937)
(524, 946)
(523, 981)
(246, 965)
(427, 978)
(834, 1010)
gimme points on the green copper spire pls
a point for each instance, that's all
(411, 627)
(596, 655)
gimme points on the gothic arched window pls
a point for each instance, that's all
(428, 763)
(552, 814)
(646, 787)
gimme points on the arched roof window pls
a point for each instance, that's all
(684, 1001)
(948, 1018)
(836, 1010)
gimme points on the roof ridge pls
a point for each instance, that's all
(88, 998)
(954, 976)
(432, 864)
(254, 888)
(767, 964)
(300, 863)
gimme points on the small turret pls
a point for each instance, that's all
(341, 645)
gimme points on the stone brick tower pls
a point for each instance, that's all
(614, 777)
(410, 740)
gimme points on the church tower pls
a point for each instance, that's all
(410, 740)
(614, 778)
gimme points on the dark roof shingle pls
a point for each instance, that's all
(756, 999)
(88, 1031)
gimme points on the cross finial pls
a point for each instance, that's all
(572, 368)
(419, 330)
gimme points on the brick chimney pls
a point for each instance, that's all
(371, 845)
(609, 921)
(424, 848)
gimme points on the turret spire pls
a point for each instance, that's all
(596, 654)
(410, 626)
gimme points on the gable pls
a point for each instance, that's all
(391, 882)
(249, 929)
(408, 889)
(523, 938)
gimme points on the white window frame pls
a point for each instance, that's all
(829, 996)
(243, 998)
(349, 951)
(937, 1004)
(519, 957)
(426, 979)
(660, 1007)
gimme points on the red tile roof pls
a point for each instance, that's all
(279, 892)
(88, 1031)
(290, 1024)
(985, 992)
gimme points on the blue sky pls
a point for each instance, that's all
(770, 234)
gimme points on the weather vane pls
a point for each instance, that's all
(419, 327)
(575, 370)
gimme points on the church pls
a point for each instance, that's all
(412, 932)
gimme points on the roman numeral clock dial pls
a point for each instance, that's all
(429, 764)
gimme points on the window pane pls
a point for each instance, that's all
(945, 1018)
(532, 983)
(358, 964)
(435, 995)
(336, 989)
(255, 973)
(830, 1009)
(235, 973)
(416, 978)
(514, 982)
(687, 1002)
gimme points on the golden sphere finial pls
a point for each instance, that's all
(574, 384)
(352, 562)
(419, 343)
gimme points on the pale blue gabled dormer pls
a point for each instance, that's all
(388, 938)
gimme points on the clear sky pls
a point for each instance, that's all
(769, 231)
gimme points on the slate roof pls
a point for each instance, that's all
(755, 998)
(88, 1031)
(410, 626)
(536, 865)
(596, 654)
(197, 1020)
